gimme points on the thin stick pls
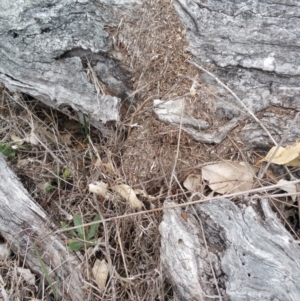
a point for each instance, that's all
(107, 249)
(236, 194)
(177, 151)
(208, 255)
(237, 98)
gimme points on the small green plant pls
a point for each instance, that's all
(67, 173)
(49, 279)
(49, 188)
(85, 130)
(7, 151)
(57, 181)
(81, 237)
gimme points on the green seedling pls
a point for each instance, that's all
(86, 130)
(49, 279)
(81, 237)
(66, 173)
(7, 151)
(57, 181)
(49, 188)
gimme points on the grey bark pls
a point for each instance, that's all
(220, 251)
(43, 50)
(29, 233)
(253, 48)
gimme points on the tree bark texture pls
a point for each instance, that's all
(45, 48)
(221, 251)
(29, 233)
(253, 48)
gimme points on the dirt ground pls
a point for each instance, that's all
(144, 154)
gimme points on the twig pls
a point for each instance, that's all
(236, 194)
(177, 151)
(107, 249)
(237, 98)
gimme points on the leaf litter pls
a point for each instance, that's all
(142, 157)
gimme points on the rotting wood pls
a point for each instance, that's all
(245, 255)
(27, 228)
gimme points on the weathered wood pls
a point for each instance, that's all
(245, 255)
(38, 44)
(252, 47)
(28, 231)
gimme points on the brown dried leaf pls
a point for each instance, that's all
(128, 194)
(144, 194)
(289, 188)
(192, 183)
(106, 167)
(288, 156)
(99, 188)
(100, 273)
(228, 177)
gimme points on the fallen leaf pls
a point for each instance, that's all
(288, 156)
(32, 139)
(144, 194)
(65, 139)
(128, 194)
(16, 138)
(289, 188)
(228, 177)
(100, 273)
(23, 162)
(107, 167)
(192, 183)
(27, 275)
(99, 188)
(193, 91)
(4, 251)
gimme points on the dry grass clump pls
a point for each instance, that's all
(157, 54)
(57, 158)
(49, 145)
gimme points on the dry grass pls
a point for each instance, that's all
(143, 157)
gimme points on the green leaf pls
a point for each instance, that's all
(7, 151)
(45, 271)
(49, 188)
(78, 222)
(91, 243)
(65, 225)
(66, 173)
(75, 245)
(94, 228)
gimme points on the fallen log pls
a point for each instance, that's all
(51, 50)
(221, 251)
(250, 47)
(29, 232)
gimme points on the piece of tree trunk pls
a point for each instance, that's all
(29, 233)
(251, 47)
(245, 255)
(52, 49)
